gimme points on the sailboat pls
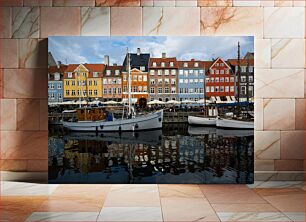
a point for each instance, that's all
(238, 123)
(129, 122)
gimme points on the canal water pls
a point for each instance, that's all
(176, 154)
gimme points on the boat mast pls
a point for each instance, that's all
(129, 82)
(247, 79)
(238, 80)
(205, 111)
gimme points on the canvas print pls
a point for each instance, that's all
(151, 109)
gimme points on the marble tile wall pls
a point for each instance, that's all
(278, 27)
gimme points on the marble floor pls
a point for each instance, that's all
(262, 201)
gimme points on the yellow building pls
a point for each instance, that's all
(83, 81)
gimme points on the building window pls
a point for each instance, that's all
(108, 72)
(185, 90)
(160, 81)
(181, 72)
(226, 79)
(212, 71)
(134, 88)
(90, 92)
(212, 89)
(222, 79)
(171, 64)
(191, 81)
(67, 82)
(201, 80)
(221, 64)
(152, 81)
(67, 92)
(232, 89)
(119, 90)
(217, 89)
(104, 81)
(217, 71)
(250, 78)
(243, 68)
(73, 92)
(124, 77)
(59, 95)
(243, 90)
(243, 78)
(232, 79)
(226, 88)
(181, 90)
(173, 89)
(89, 82)
(115, 90)
(160, 90)
(140, 78)
(139, 88)
(191, 90)
(201, 90)
(185, 64)
(217, 64)
(212, 80)
(145, 89)
(221, 88)
(95, 74)
(207, 79)
(84, 93)
(186, 81)
(196, 73)
(181, 81)
(52, 86)
(152, 90)
(162, 64)
(227, 71)
(159, 72)
(152, 72)
(154, 64)
(216, 79)
(142, 68)
(222, 71)
(125, 89)
(251, 68)
(186, 73)
(69, 74)
(167, 72)
(167, 81)
(105, 91)
(166, 89)
(117, 72)
(196, 64)
(95, 92)
(173, 81)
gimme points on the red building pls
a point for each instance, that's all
(219, 80)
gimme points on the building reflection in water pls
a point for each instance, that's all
(176, 154)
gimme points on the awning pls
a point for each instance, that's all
(133, 100)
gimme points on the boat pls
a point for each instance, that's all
(202, 121)
(234, 123)
(101, 120)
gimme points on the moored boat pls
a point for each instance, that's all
(234, 123)
(202, 121)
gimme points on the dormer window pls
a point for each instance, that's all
(171, 64)
(108, 72)
(142, 68)
(95, 74)
(69, 74)
(196, 64)
(154, 64)
(185, 64)
(117, 72)
(162, 64)
(56, 76)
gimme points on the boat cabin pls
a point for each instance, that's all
(91, 114)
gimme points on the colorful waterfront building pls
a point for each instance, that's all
(83, 81)
(219, 81)
(112, 83)
(55, 83)
(191, 75)
(246, 75)
(139, 77)
(163, 78)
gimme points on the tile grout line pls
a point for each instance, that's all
(161, 208)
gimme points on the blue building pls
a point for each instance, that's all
(55, 83)
(191, 75)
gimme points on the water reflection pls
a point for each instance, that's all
(176, 154)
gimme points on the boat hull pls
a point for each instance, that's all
(202, 121)
(234, 124)
(139, 123)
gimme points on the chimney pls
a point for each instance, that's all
(163, 55)
(138, 51)
(59, 63)
(106, 60)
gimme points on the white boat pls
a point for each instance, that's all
(202, 121)
(142, 122)
(234, 123)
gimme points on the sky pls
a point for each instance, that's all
(77, 49)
